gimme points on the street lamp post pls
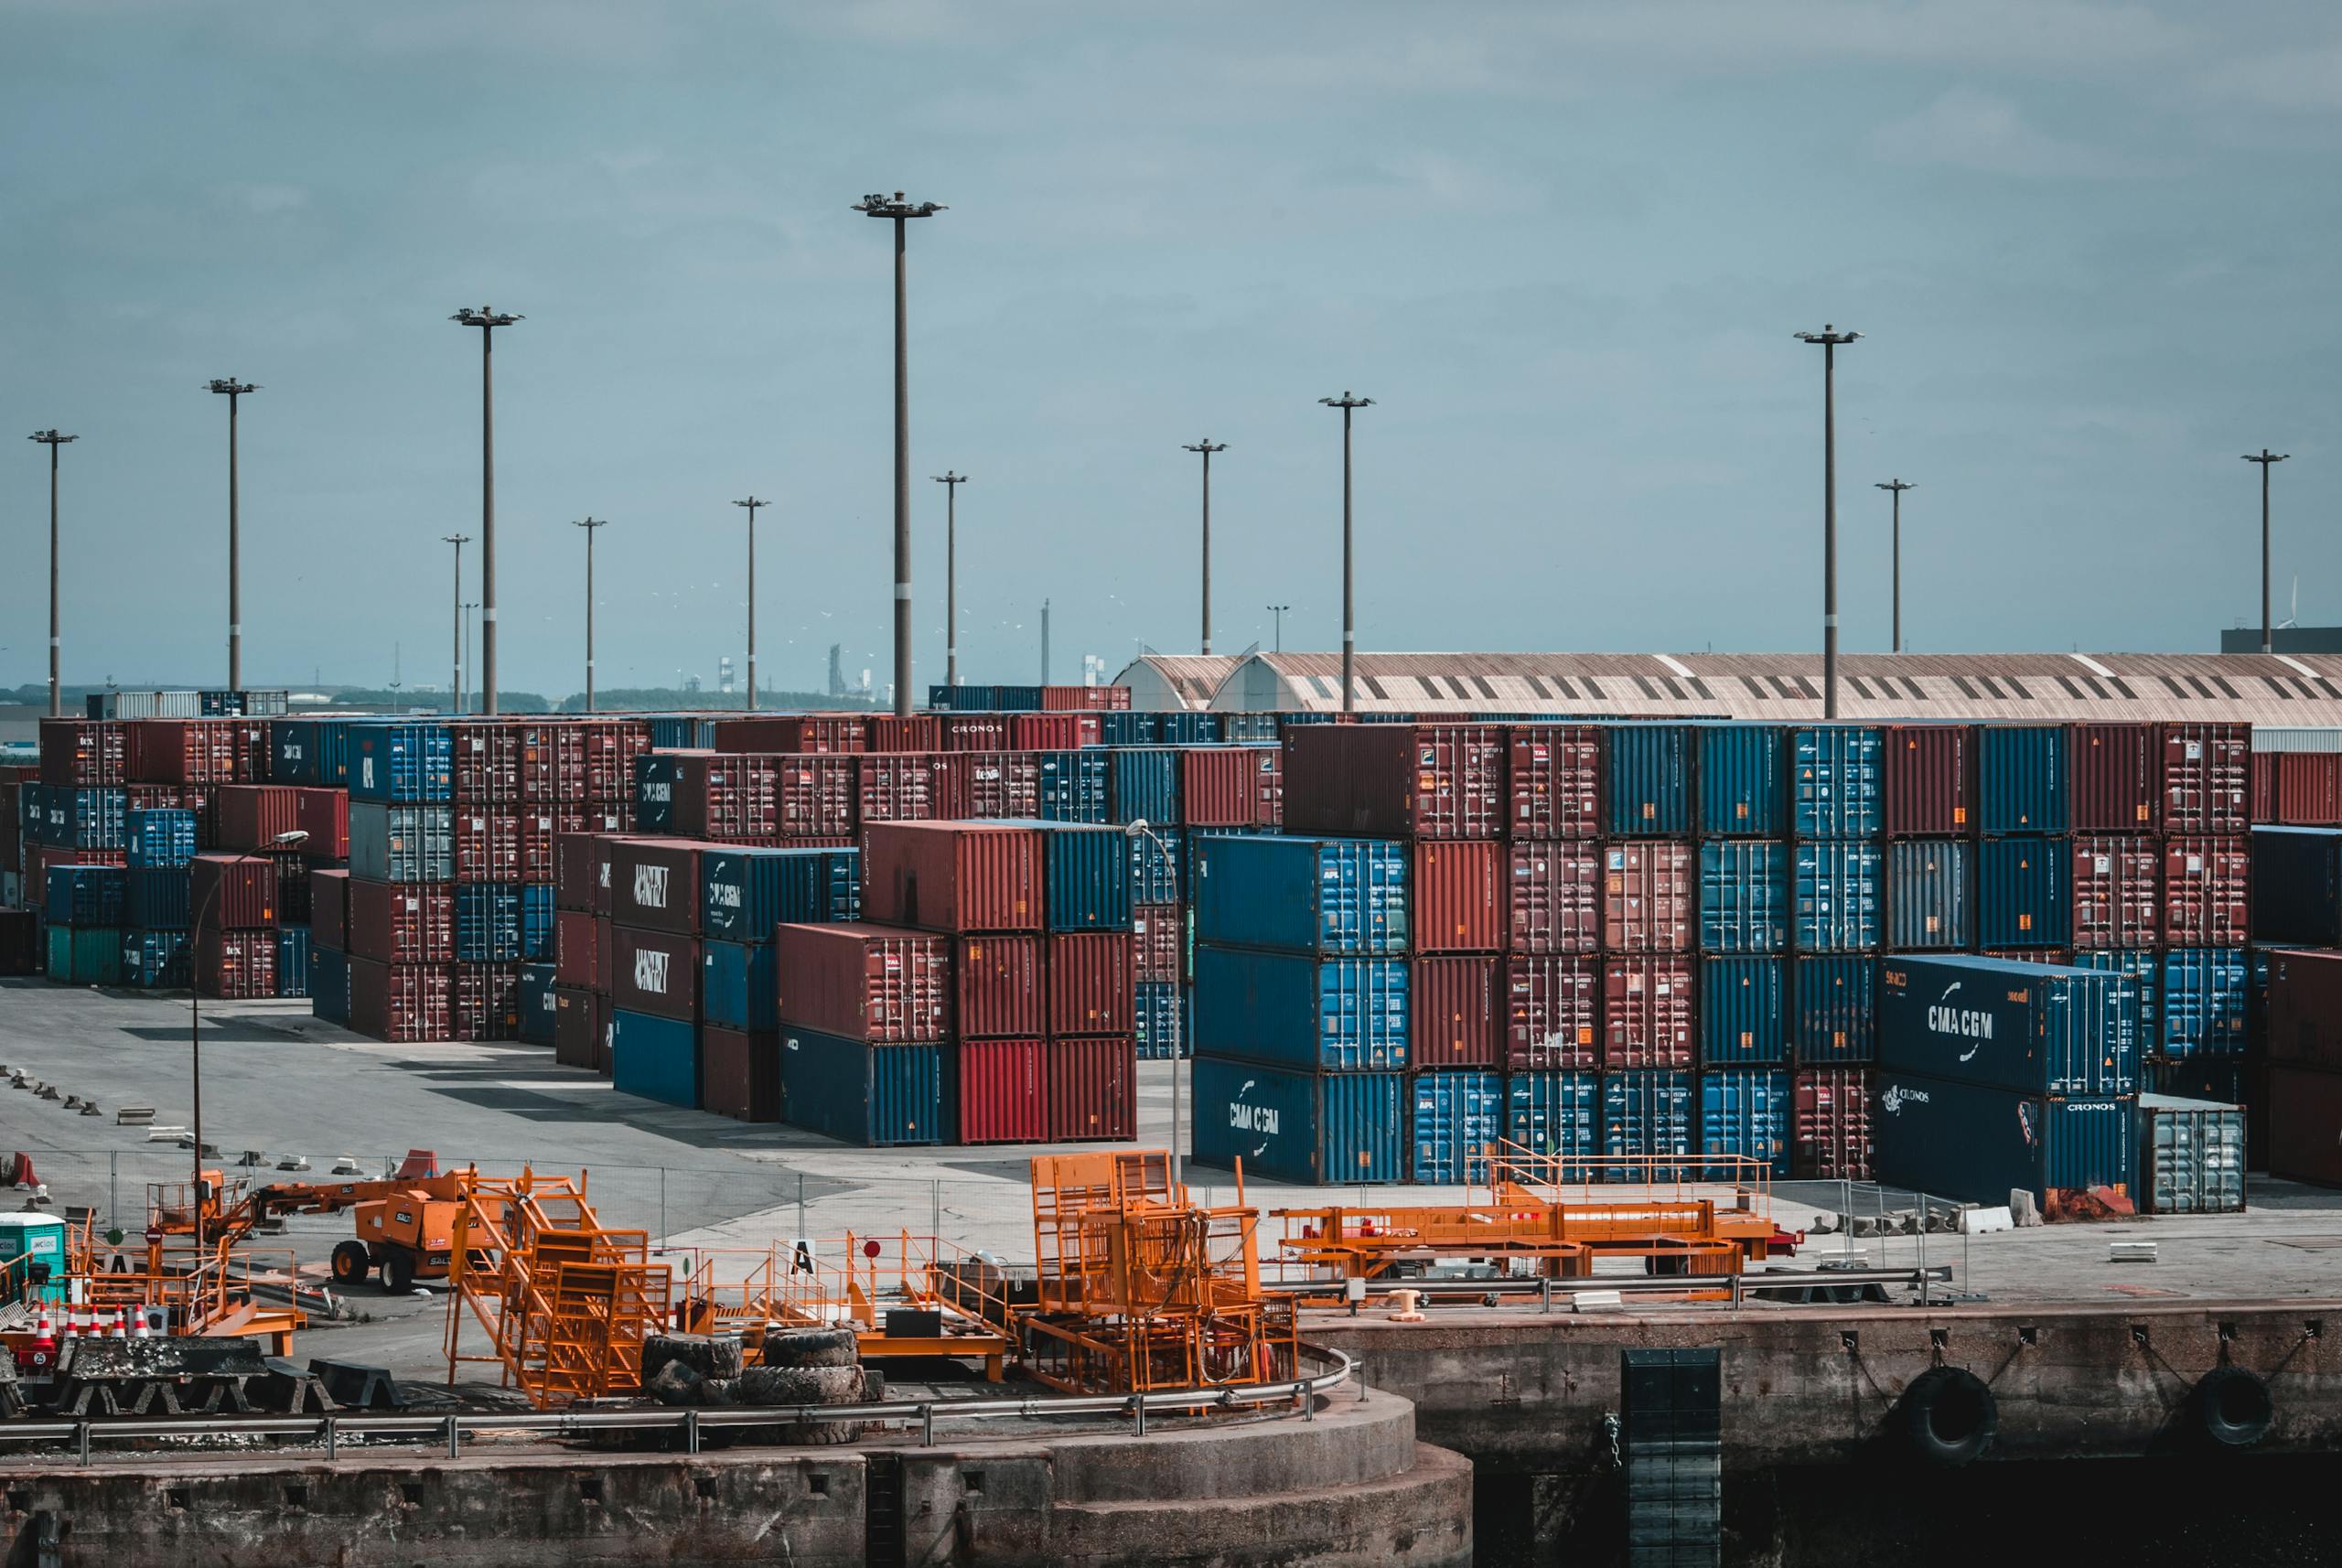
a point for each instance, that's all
(468, 606)
(234, 391)
(488, 321)
(2267, 459)
(752, 503)
(589, 525)
(1832, 340)
(1206, 447)
(1349, 405)
(1278, 610)
(951, 482)
(1897, 487)
(455, 630)
(1140, 830)
(52, 440)
(900, 211)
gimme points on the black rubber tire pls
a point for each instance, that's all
(1948, 1416)
(2233, 1407)
(350, 1263)
(810, 1347)
(398, 1270)
(800, 1385)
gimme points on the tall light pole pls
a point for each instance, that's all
(752, 503)
(1206, 447)
(1831, 339)
(52, 440)
(467, 607)
(456, 629)
(950, 483)
(878, 206)
(1349, 405)
(234, 390)
(1897, 487)
(1278, 610)
(1139, 829)
(2267, 459)
(488, 321)
(589, 524)
(293, 840)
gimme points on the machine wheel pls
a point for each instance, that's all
(789, 1347)
(350, 1264)
(398, 1270)
(2234, 1407)
(1948, 1417)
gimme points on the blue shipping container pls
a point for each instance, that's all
(745, 892)
(1156, 1020)
(1301, 894)
(1145, 784)
(156, 959)
(1744, 896)
(1459, 1119)
(655, 773)
(1128, 727)
(1838, 895)
(293, 751)
(1073, 786)
(1979, 1144)
(503, 922)
(1651, 780)
(872, 1095)
(329, 984)
(1186, 727)
(538, 1012)
(402, 844)
(680, 732)
(1313, 1129)
(84, 896)
(2036, 1028)
(1332, 1014)
(2025, 892)
(1647, 1111)
(293, 960)
(1237, 728)
(2144, 965)
(2021, 780)
(75, 818)
(739, 988)
(1556, 1114)
(1741, 792)
(165, 836)
(1087, 872)
(1836, 773)
(2297, 885)
(2200, 1009)
(402, 762)
(155, 898)
(1748, 1113)
(1741, 1012)
(655, 1058)
(1837, 1010)
(1927, 899)
(1155, 866)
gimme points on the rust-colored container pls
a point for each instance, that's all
(1650, 896)
(793, 732)
(488, 844)
(1053, 731)
(1647, 1019)
(2303, 787)
(1157, 933)
(484, 1001)
(402, 922)
(952, 877)
(2207, 888)
(974, 732)
(1553, 896)
(815, 796)
(2305, 1124)
(577, 950)
(654, 884)
(1437, 781)
(324, 815)
(894, 787)
(998, 983)
(1090, 697)
(882, 983)
(230, 891)
(82, 751)
(591, 818)
(2204, 778)
(329, 909)
(1554, 782)
(1927, 781)
(2117, 769)
(1455, 1022)
(2117, 889)
(183, 751)
(1002, 1097)
(236, 962)
(739, 1073)
(654, 972)
(917, 732)
(1459, 895)
(503, 762)
(248, 816)
(987, 784)
(399, 1002)
(727, 796)
(581, 872)
(1090, 1089)
(594, 759)
(1231, 786)
(1088, 982)
(1831, 1138)
(1553, 1013)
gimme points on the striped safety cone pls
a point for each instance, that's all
(43, 1353)
(120, 1330)
(140, 1331)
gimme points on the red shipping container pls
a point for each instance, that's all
(1437, 781)
(974, 732)
(2115, 774)
(577, 1028)
(1553, 902)
(329, 910)
(594, 760)
(915, 732)
(1554, 782)
(2303, 787)
(1231, 786)
(1927, 781)
(1057, 698)
(739, 1073)
(81, 751)
(577, 949)
(591, 819)
(987, 784)
(1088, 982)
(1553, 1011)
(998, 983)
(894, 787)
(2204, 776)
(792, 731)
(654, 972)
(536, 843)
(399, 1002)
(484, 1001)
(1053, 732)
(2116, 891)
(1455, 1021)
(186, 751)
(402, 922)
(1002, 1099)
(581, 872)
(249, 816)
(488, 844)
(728, 796)
(228, 892)
(2206, 886)
(952, 877)
(1831, 1138)
(1647, 1015)
(236, 963)
(1459, 895)
(815, 796)
(1090, 1089)
(876, 983)
(324, 815)
(1157, 934)
(1650, 896)
(502, 762)
(654, 884)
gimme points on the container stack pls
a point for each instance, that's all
(747, 895)
(1746, 903)
(651, 960)
(1652, 923)
(1552, 977)
(2297, 1063)
(400, 898)
(1839, 860)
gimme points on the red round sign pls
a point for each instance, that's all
(870, 1249)
(154, 1238)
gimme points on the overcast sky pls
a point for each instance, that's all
(1563, 247)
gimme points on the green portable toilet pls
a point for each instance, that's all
(26, 1238)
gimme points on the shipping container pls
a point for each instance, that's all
(324, 815)
(1927, 785)
(1554, 782)
(874, 1095)
(2304, 1124)
(86, 895)
(1744, 896)
(402, 844)
(2200, 1003)
(402, 762)
(2023, 778)
(1322, 1015)
(1159, 1021)
(814, 795)
(1455, 1022)
(537, 1012)
(2304, 1007)
(1442, 781)
(1649, 897)
(1557, 1115)
(2025, 892)
(235, 964)
(1301, 894)
(497, 922)
(2034, 1028)
(1458, 1120)
(1747, 1113)
(577, 941)
(1001, 1092)
(894, 787)
(1553, 1013)
(1085, 874)
(1157, 932)
(1554, 896)
(1647, 1017)
(581, 876)
(329, 985)
(1156, 857)
(406, 1002)
(987, 783)
(654, 884)
(293, 960)
(85, 955)
(1979, 1143)
(2298, 788)
(1230, 786)
(1742, 1012)
(21, 950)
(1090, 1089)
(1928, 895)
(1307, 1128)
(2204, 778)
(1742, 793)
(2115, 777)
(1088, 983)
(232, 890)
(656, 776)
(953, 876)
(882, 983)
(1648, 1116)
(1194, 727)
(2295, 881)
(1836, 1003)
(2191, 1155)
(402, 923)
(655, 972)
(155, 898)
(996, 982)
(1650, 780)
(792, 731)
(1836, 887)
(1836, 781)
(1459, 895)
(81, 752)
(1059, 732)
(746, 892)
(2206, 891)
(581, 1038)
(737, 989)
(918, 732)
(655, 1057)
(1142, 784)
(739, 1074)
(2115, 886)
(1831, 1132)
(162, 837)
(75, 817)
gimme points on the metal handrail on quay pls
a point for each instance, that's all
(1542, 1292)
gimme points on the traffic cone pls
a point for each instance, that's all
(73, 1323)
(140, 1331)
(25, 1180)
(43, 1354)
(119, 1330)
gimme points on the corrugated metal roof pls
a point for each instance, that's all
(1163, 681)
(2277, 689)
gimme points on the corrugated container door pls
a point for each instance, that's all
(1833, 1130)
(1647, 1013)
(1557, 1114)
(1089, 878)
(1459, 895)
(1088, 982)
(1747, 1113)
(1926, 782)
(2115, 777)
(2023, 896)
(1835, 782)
(2201, 1003)
(1650, 780)
(2191, 1155)
(1838, 896)
(1647, 1117)
(1741, 789)
(1837, 1009)
(1744, 896)
(1555, 782)
(2205, 777)
(1088, 1088)
(1553, 1013)
(1329, 1015)
(1649, 897)
(1554, 899)
(1002, 1096)
(1455, 1023)
(1301, 1127)
(2022, 779)
(2114, 891)
(1145, 782)
(1741, 1005)
(1927, 895)
(1458, 1118)
(1332, 896)
(998, 981)
(2205, 892)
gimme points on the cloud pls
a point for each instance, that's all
(1966, 128)
(2308, 81)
